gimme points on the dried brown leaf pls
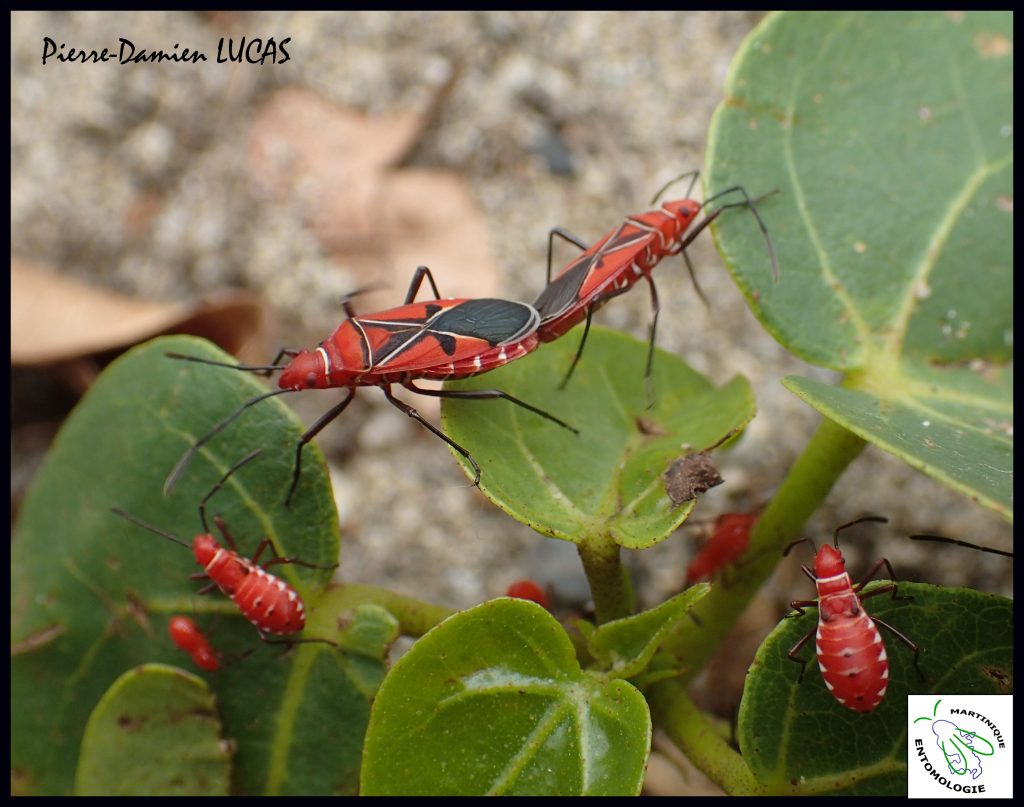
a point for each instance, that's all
(57, 319)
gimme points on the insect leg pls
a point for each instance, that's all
(417, 281)
(799, 605)
(484, 394)
(797, 648)
(178, 469)
(871, 573)
(597, 302)
(906, 641)
(312, 432)
(417, 416)
(290, 642)
(565, 234)
(279, 558)
(228, 539)
(655, 310)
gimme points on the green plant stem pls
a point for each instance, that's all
(695, 736)
(609, 582)
(830, 450)
(415, 617)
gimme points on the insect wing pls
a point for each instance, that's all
(439, 332)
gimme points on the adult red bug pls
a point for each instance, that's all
(187, 636)
(851, 654)
(437, 339)
(528, 590)
(728, 541)
(267, 601)
(613, 264)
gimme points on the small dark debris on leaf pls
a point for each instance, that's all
(129, 723)
(999, 676)
(690, 475)
(34, 641)
(649, 428)
(693, 474)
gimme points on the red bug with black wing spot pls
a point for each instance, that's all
(851, 654)
(437, 339)
(611, 266)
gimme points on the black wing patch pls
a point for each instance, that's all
(496, 321)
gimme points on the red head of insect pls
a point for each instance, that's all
(306, 371)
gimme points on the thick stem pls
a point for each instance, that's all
(609, 582)
(812, 476)
(694, 735)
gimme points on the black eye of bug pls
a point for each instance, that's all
(311, 380)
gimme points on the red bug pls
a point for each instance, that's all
(728, 541)
(528, 590)
(437, 339)
(851, 654)
(187, 636)
(267, 601)
(612, 265)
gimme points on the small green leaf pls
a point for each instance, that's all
(627, 645)
(890, 139)
(154, 733)
(608, 479)
(799, 734)
(369, 631)
(493, 701)
(92, 593)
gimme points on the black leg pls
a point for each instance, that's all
(313, 431)
(486, 394)
(290, 642)
(417, 281)
(655, 310)
(565, 234)
(404, 407)
(596, 303)
(178, 469)
(279, 558)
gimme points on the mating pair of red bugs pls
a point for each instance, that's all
(443, 339)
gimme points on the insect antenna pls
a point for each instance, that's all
(747, 202)
(248, 368)
(861, 520)
(798, 541)
(944, 540)
(117, 511)
(693, 181)
(179, 468)
(220, 484)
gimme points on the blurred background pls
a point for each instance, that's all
(241, 200)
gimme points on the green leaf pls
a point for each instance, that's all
(889, 137)
(799, 734)
(154, 733)
(626, 646)
(606, 481)
(92, 593)
(493, 701)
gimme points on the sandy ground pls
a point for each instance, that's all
(571, 119)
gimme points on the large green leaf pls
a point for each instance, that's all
(154, 733)
(798, 735)
(889, 137)
(92, 593)
(606, 481)
(493, 701)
